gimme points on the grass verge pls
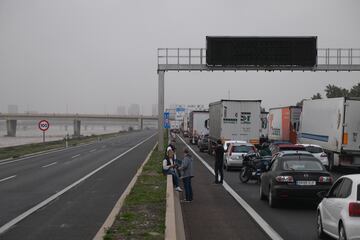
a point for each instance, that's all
(143, 214)
(21, 150)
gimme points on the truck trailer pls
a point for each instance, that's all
(197, 125)
(284, 123)
(334, 124)
(234, 120)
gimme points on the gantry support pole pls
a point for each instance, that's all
(161, 110)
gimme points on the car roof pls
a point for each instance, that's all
(309, 145)
(242, 144)
(234, 141)
(294, 152)
(354, 177)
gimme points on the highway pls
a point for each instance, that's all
(295, 220)
(68, 194)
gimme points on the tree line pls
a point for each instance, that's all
(332, 91)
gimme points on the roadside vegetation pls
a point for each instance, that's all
(21, 150)
(143, 214)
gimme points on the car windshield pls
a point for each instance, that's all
(302, 165)
(242, 149)
(313, 149)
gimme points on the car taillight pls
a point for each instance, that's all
(325, 179)
(284, 179)
(323, 155)
(354, 209)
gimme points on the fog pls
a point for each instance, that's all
(90, 56)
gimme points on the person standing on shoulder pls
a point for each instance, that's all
(187, 169)
(219, 162)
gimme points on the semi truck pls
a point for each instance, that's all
(197, 125)
(334, 124)
(234, 120)
(284, 123)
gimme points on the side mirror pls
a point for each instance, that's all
(322, 194)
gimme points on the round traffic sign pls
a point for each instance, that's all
(44, 125)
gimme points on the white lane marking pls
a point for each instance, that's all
(258, 219)
(7, 178)
(93, 150)
(111, 218)
(14, 221)
(45, 166)
(76, 156)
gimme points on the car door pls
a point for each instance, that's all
(267, 176)
(329, 205)
(341, 202)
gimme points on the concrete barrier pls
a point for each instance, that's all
(174, 225)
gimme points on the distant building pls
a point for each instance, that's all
(154, 109)
(134, 110)
(13, 108)
(121, 110)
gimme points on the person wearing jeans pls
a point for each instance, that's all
(169, 168)
(187, 169)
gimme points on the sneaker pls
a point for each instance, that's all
(178, 189)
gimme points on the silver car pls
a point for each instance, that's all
(234, 154)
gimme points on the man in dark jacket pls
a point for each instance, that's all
(219, 162)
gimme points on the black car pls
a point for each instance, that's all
(294, 177)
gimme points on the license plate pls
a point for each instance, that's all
(306, 183)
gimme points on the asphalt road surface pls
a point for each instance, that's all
(87, 188)
(292, 220)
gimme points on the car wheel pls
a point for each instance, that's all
(342, 233)
(272, 199)
(262, 195)
(319, 228)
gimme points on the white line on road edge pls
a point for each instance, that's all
(14, 221)
(45, 166)
(75, 156)
(4, 179)
(111, 218)
(259, 220)
(93, 150)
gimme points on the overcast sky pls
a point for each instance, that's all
(94, 55)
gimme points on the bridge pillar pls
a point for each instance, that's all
(141, 123)
(11, 128)
(77, 127)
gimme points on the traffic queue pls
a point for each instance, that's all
(289, 152)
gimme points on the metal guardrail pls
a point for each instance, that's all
(194, 59)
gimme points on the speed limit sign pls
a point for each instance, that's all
(44, 125)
